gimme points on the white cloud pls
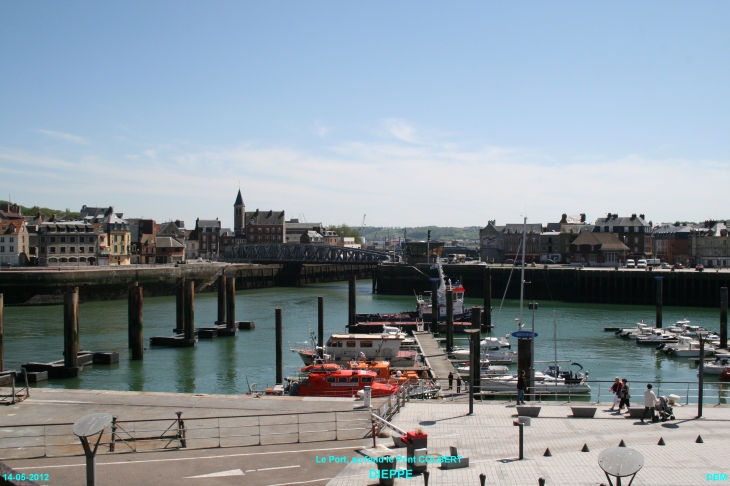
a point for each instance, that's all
(400, 129)
(320, 129)
(68, 137)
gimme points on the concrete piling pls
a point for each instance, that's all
(488, 298)
(279, 349)
(435, 307)
(230, 303)
(320, 326)
(449, 320)
(524, 358)
(659, 294)
(71, 329)
(723, 316)
(2, 337)
(136, 336)
(189, 314)
(180, 306)
(222, 289)
(352, 312)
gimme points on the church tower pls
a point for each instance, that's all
(239, 212)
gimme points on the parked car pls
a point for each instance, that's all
(665, 265)
(678, 266)
(699, 268)
(518, 263)
(509, 261)
(630, 263)
(641, 263)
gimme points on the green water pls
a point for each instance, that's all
(227, 365)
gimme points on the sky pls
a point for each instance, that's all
(412, 113)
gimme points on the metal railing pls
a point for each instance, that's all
(146, 435)
(16, 395)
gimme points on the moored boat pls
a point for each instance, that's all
(330, 380)
(346, 347)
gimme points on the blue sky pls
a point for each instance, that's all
(413, 113)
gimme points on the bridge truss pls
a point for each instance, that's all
(283, 253)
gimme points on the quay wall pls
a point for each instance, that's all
(47, 286)
(568, 284)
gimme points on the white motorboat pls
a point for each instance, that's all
(641, 329)
(716, 367)
(687, 347)
(490, 346)
(548, 385)
(657, 337)
(397, 331)
(349, 347)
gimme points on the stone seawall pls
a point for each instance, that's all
(567, 284)
(47, 286)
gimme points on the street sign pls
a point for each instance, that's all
(523, 334)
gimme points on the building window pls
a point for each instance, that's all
(72, 239)
(2, 249)
(43, 239)
(91, 239)
(53, 249)
(72, 249)
(267, 230)
(259, 230)
(53, 239)
(63, 249)
(91, 249)
(63, 239)
(626, 229)
(278, 230)
(81, 239)
(115, 249)
(81, 249)
(636, 239)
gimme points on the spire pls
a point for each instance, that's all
(239, 199)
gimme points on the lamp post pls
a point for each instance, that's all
(701, 336)
(475, 363)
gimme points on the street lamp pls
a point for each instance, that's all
(701, 335)
(475, 363)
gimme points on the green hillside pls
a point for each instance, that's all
(46, 212)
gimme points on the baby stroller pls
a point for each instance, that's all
(664, 410)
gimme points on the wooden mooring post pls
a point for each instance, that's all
(449, 320)
(320, 326)
(488, 299)
(352, 306)
(189, 314)
(231, 303)
(723, 316)
(222, 300)
(136, 337)
(659, 295)
(435, 306)
(180, 306)
(279, 349)
(71, 330)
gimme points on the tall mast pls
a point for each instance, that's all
(522, 270)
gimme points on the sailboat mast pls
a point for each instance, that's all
(522, 270)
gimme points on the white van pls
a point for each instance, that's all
(653, 262)
(641, 263)
(630, 263)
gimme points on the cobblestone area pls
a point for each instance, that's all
(490, 441)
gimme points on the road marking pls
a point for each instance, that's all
(232, 472)
(302, 482)
(190, 458)
(271, 468)
(41, 402)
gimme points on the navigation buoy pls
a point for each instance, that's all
(699, 440)
(622, 443)
(585, 448)
(661, 441)
(547, 453)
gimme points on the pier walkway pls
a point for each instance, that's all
(435, 357)
(490, 441)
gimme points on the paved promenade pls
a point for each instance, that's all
(490, 441)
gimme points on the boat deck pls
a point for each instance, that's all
(434, 355)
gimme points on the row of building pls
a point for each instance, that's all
(608, 241)
(102, 236)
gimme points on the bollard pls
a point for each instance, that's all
(279, 344)
(71, 329)
(181, 430)
(449, 320)
(435, 306)
(221, 300)
(659, 291)
(367, 396)
(320, 327)
(522, 439)
(426, 475)
(114, 433)
(541, 482)
(723, 316)
(2, 349)
(482, 478)
(352, 314)
(488, 298)
(189, 301)
(135, 322)
(231, 303)
(180, 306)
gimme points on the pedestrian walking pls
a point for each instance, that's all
(451, 380)
(649, 402)
(458, 384)
(616, 389)
(625, 396)
(521, 388)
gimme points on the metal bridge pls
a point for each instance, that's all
(283, 253)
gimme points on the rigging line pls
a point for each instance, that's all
(496, 321)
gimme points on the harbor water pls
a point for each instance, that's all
(229, 365)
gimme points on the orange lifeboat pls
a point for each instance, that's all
(325, 381)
